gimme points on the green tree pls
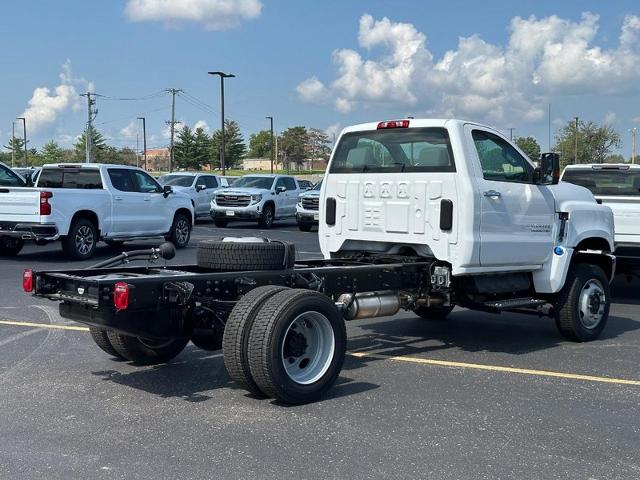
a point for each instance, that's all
(184, 148)
(293, 145)
(51, 152)
(260, 144)
(615, 158)
(234, 147)
(202, 149)
(318, 144)
(595, 142)
(100, 152)
(530, 146)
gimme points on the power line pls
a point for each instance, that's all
(129, 99)
(131, 116)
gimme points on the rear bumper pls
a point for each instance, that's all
(29, 231)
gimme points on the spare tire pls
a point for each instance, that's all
(249, 255)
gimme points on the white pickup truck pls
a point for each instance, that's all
(79, 204)
(419, 215)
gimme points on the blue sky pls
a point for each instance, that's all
(321, 64)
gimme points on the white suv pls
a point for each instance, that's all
(200, 187)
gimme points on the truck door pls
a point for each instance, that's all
(128, 206)
(517, 216)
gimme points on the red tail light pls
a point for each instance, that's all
(27, 280)
(394, 124)
(121, 296)
(45, 206)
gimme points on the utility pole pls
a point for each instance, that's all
(137, 150)
(172, 123)
(13, 144)
(89, 132)
(634, 131)
(549, 127)
(144, 139)
(222, 150)
(273, 145)
(575, 148)
(24, 131)
(511, 133)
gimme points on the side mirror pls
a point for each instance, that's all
(199, 188)
(281, 189)
(167, 190)
(549, 170)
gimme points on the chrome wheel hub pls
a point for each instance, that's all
(591, 304)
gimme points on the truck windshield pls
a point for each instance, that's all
(177, 180)
(263, 183)
(394, 150)
(605, 181)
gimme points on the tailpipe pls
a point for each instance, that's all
(369, 305)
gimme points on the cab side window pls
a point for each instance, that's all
(280, 183)
(290, 183)
(122, 180)
(146, 184)
(499, 160)
(210, 181)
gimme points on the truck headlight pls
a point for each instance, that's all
(256, 198)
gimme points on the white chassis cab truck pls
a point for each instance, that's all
(419, 215)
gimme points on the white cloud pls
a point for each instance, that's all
(201, 124)
(610, 118)
(212, 14)
(547, 56)
(333, 129)
(45, 104)
(130, 131)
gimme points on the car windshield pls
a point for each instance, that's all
(263, 183)
(317, 186)
(177, 180)
(606, 181)
(394, 150)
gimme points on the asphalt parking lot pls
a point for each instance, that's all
(476, 396)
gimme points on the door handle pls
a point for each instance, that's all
(492, 194)
(147, 199)
(117, 198)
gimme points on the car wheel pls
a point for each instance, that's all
(267, 216)
(80, 243)
(180, 231)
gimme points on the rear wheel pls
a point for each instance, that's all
(305, 227)
(101, 339)
(297, 346)
(180, 230)
(267, 216)
(10, 247)
(582, 306)
(146, 352)
(80, 242)
(439, 312)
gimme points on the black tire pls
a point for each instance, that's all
(10, 247)
(80, 243)
(273, 333)
(439, 312)
(180, 232)
(305, 227)
(236, 336)
(267, 216)
(210, 343)
(101, 339)
(233, 256)
(146, 352)
(220, 223)
(581, 308)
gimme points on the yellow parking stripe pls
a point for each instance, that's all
(497, 368)
(43, 325)
(415, 360)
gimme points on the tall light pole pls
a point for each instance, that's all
(575, 148)
(13, 144)
(273, 145)
(24, 131)
(633, 131)
(144, 139)
(222, 76)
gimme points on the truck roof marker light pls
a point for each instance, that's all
(121, 296)
(393, 124)
(27, 280)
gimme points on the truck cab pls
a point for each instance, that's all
(461, 192)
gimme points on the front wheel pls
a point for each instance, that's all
(267, 216)
(80, 242)
(297, 346)
(180, 231)
(582, 306)
(10, 247)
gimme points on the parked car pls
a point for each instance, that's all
(307, 210)
(30, 174)
(264, 198)
(9, 178)
(82, 204)
(305, 184)
(200, 187)
(228, 180)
